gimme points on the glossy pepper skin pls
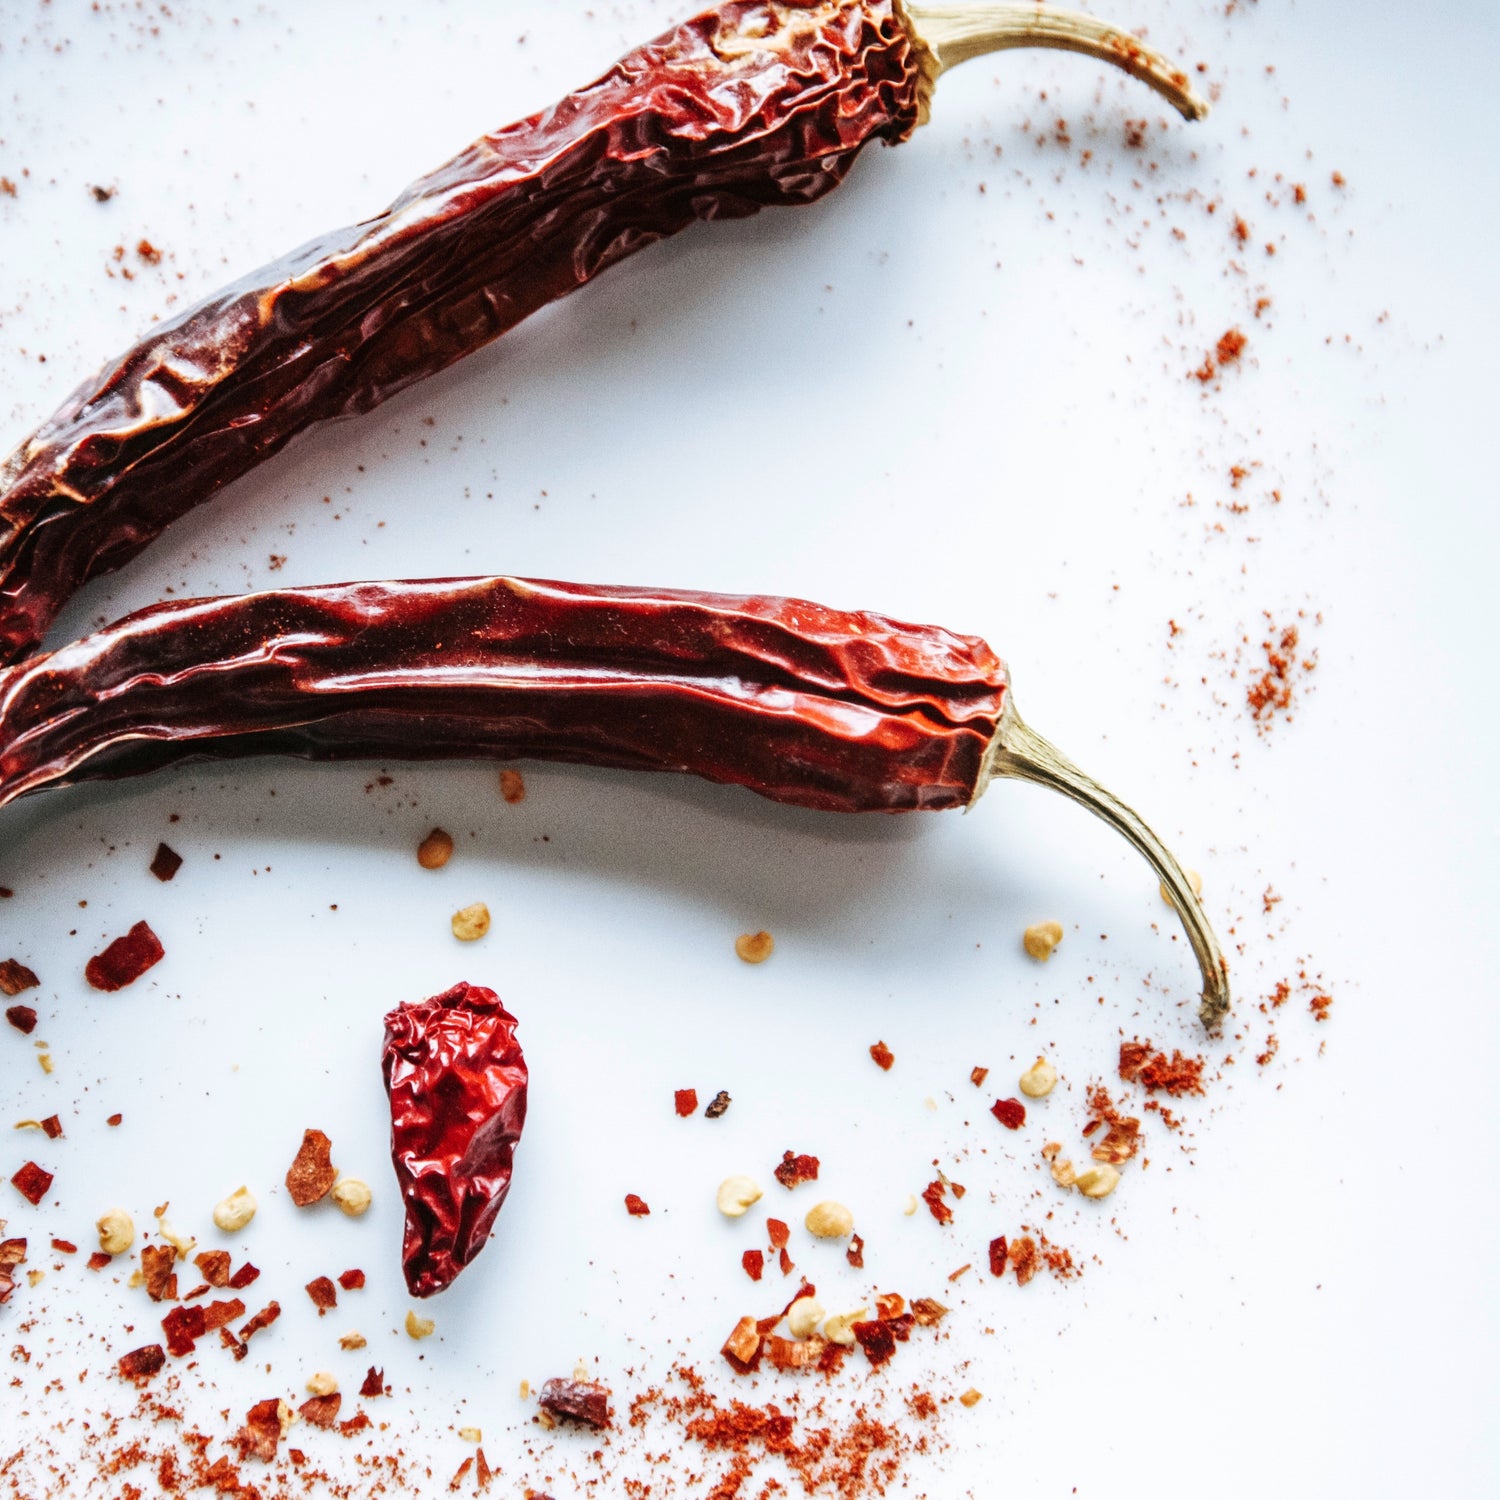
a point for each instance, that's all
(457, 1084)
(839, 710)
(748, 105)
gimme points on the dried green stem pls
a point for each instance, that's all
(1019, 752)
(947, 35)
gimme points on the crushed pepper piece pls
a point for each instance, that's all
(779, 1233)
(165, 863)
(321, 1411)
(243, 1277)
(374, 1384)
(932, 1196)
(213, 1266)
(754, 1262)
(636, 1207)
(263, 1319)
(157, 1262)
(32, 1182)
(685, 1102)
(718, 1106)
(183, 1326)
(795, 1170)
(882, 1056)
(352, 1281)
(584, 1401)
(16, 978)
(1011, 1113)
(141, 1364)
(323, 1293)
(22, 1017)
(312, 1174)
(125, 959)
(855, 1254)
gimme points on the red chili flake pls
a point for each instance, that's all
(321, 1411)
(213, 1266)
(483, 1473)
(795, 1170)
(374, 1383)
(1231, 346)
(901, 1326)
(742, 1349)
(148, 252)
(1320, 1005)
(754, 1262)
(323, 1293)
(312, 1174)
(65, 1247)
(883, 1056)
(165, 863)
(183, 1326)
(1175, 1075)
(855, 1254)
(98, 1260)
(125, 960)
(1024, 1258)
(156, 1266)
(779, 1233)
(463, 1469)
(243, 1277)
(263, 1319)
(198, 1291)
(32, 1183)
(12, 1253)
(52, 1127)
(115, 1120)
(357, 1423)
(352, 1281)
(235, 1347)
(977, 1077)
(876, 1339)
(636, 1207)
(141, 1364)
(261, 1434)
(1011, 1113)
(786, 1263)
(583, 1400)
(221, 1314)
(928, 1312)
(685, 1102)
(7, 1286)
(932, 1196)
(962, 1271)
(16, 977)
(999, 1250)
(22, 1017)
(717, 1106)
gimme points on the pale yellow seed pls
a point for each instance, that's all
(470, 1435)
(910, 1206)
(287, 1417)
(353, 1341)
(829, 1221)
(45, 1059)
(1039, 1079)
(736, 1195)
(840, 1329)
(352, 1195)
(435, 850)
(233, 1213)
(35, 1277)
(1041, 938)
(803, 1317)
(1194, 879)
(116, 1232)
(755, 947)
(526, 1390)
(471, 924)
(1097, 1182)
(418, 1328)
(970, 1397)
(322, 1384)
(183, 1244)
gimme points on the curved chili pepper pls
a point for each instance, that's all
(822, 708)
(753, 103)
(457, 1084)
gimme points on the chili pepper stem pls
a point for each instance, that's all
(1017, 751)
(947, 35)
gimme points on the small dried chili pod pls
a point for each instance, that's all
(750, 104)
(829, 709)
(457, 1084)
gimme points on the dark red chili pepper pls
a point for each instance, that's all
(457, 1082)
(841, 711)
(753, 103)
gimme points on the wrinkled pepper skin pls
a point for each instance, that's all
(748, 105)
(823, 708)
(457, 1084)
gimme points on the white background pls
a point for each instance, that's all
(958, 390)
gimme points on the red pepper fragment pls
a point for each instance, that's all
(32, 1182)
(977, 1076)
(65, 1247)
(754, 1262)
(883, 1056)
(357, 1423)
(183, 1326)
(243, 1277)
(213, 1265)
(457, 1084)
(779, 1233)
(312, 1174)
(877, 1339)
(125, 960)
(927, 1312)
(98, 1260)
(114, 1120)
(932, 1196)
(636, 1207)
(141, 1364)
(352, 1281)
(263, 1319)
(787, 1266)
(52, 1127)
(855, 1254)
(685, 1101)
(1025, 1258)
(795, 1170)
(156, 1266)
(261, 1435)
(999, 1252)
(22, 1017)
(323, 1293)
(1011, 1113)
(165, 863)
(12, 1254)
(374, 1383)
(321, 1411)
(718, 1106)
(743, 1346)
(231, 1343)
(221, 1314)
(15, 977)
(1175, 1075)
(583, 1400)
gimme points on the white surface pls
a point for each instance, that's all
(957, 390)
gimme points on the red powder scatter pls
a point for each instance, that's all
(32, 1182)
(1299, 192)
(148, 252)
(15, 978)
(685, 1102)
(125, 960)
(1024, 1258)
(999, 1253)
(1338, 180)
(883, 1056)
(1320, 1005)
(1241, 230)
(1122, 1139)
(374, 1383)
(754, 1262)
(932, 1196)
(1271, 692)
(1175, 1075)
(1272, 1048)
(636, 1207)
(1059, 1261)
(323, 1293)
(795, 1170)
(141, 1364)
(165, 863)
(22, 1017)
(778, 1233)
(352, 1281)
(1230, 346)
(1011, 1113)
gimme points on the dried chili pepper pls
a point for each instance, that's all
(822, 708)
(751, 104)
(457, 1083)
